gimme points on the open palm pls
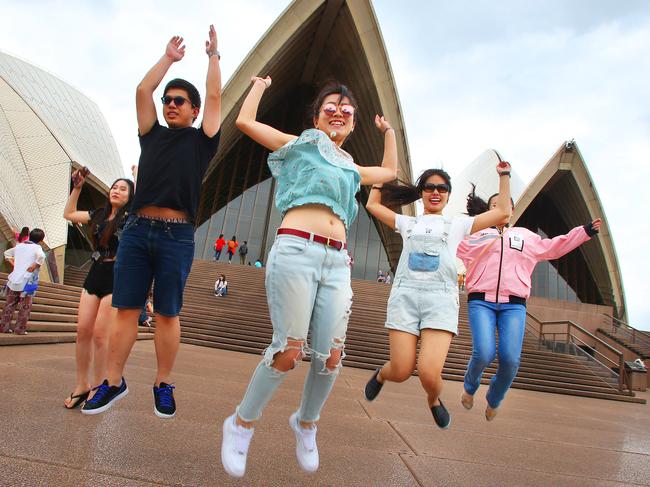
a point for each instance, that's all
(175, 49)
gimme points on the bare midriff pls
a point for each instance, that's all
(159, 212)
(318, 219)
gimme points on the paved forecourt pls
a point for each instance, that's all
(537, 439)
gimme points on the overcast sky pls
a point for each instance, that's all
(521, 76)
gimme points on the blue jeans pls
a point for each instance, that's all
(308, 291)
(485, 320)
(152, 250)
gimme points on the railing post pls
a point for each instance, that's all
(633, 335)
(621, 372)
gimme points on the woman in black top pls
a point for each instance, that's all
(95, 314)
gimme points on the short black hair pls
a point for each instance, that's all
(192, 92)
(37, 235)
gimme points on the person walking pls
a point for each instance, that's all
(26, 258)
(423, 304)
(95, 316)
(243, 251)
(158, 238)
(500, 261)
(232, 247)
(308, 271)
(219, 244)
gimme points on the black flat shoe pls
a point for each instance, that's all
(373, 387)
(441, 416)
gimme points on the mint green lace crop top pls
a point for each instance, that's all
(313, 169)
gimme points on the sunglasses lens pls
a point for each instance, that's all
(347, 110)
(329, 109)
(178, 100)
(442, 188)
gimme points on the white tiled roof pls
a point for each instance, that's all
(44, 125)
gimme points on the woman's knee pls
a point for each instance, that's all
(483, 357)
(430, 379)
(287, 359)
(401, 372)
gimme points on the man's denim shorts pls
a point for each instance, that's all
(153, 251)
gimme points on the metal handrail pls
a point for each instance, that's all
(633, 335)
(622, 382)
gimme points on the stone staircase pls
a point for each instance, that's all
(54, 316)
(640, 346)
(240, 322)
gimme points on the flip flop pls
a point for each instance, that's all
(77, 400)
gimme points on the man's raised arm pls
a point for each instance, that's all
(212, 113)
(144, 103)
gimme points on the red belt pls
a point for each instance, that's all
(330, 242)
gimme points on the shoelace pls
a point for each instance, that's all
(102, 390)
(308, 438)
(165, 396)
(242, 439)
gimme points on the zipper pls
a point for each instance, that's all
(500, 264)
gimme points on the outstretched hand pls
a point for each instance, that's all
(211, 43)
(382, 124)
(175, 49)
(596, 224)
(79, 177)
(503, 168)
(267, 81)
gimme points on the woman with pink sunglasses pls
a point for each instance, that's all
(308, 268)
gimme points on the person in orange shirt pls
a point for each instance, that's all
(218, 246)
(232, 246)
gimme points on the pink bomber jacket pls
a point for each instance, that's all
(501, 267)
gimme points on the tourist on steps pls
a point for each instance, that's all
(308, 269)
(95, 316)
(499, 262)
(423, 303)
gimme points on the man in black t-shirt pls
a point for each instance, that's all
(157, 242)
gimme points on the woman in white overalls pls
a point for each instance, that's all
(423, 303)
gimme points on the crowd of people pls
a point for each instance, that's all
(144, 234)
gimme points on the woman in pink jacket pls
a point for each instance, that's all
(499, 262)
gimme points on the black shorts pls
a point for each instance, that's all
(99, 280)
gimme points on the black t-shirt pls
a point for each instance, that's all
(172, 165)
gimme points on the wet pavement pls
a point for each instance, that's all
(537, 439)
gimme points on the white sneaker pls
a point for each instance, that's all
(306, 449)
(234, 446)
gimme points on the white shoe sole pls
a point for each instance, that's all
(106, 407)
(293, 422)
(162, 415)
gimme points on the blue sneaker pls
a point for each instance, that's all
(164, 405)
(104, 397)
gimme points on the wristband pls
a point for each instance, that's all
(214, 53)
(389, 128)
(506, 173)
(377, 187)
(589, 228)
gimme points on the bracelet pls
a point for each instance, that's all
(377, 187)
(389, 128)
(215, 53)
(507, 173)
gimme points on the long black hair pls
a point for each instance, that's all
(477, 205)
(401, 193)
(24, 234)
(102, 217)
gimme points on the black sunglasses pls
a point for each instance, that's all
(178, 100)
(441, 188)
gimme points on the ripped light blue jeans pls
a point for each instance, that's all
(308, 291)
